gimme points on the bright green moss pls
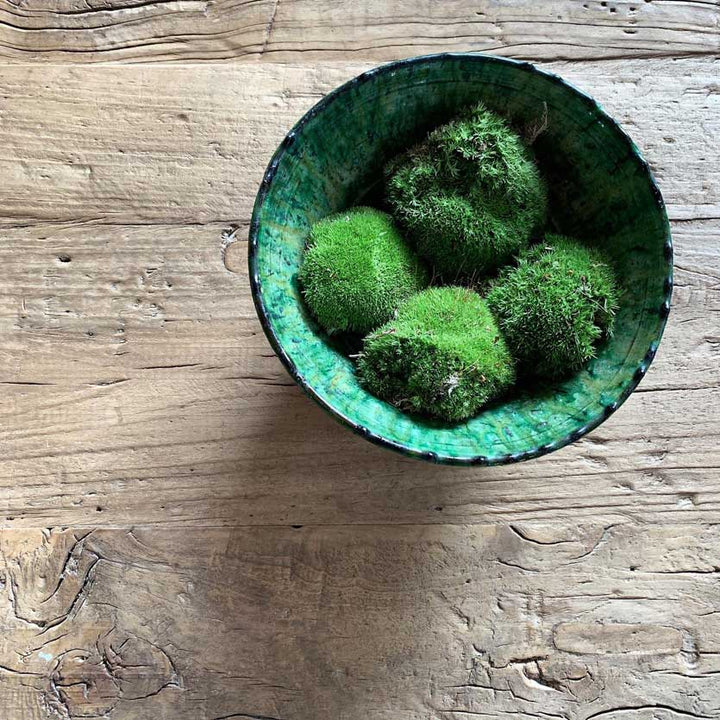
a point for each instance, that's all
(357, 270)
(442, 355)
(470, 197)
(555, 306)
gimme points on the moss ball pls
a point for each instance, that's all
(442, 356)
(555, 306)
(357, 269)
(470, 196)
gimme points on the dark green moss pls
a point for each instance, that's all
(470, 196)
(357, 269)
(555, 306)
(442, 355)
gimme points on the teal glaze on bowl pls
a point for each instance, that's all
(601, 190)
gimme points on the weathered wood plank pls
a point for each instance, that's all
(138, 387)
(189, 144)
(137, 390)
(453, 622)
(291, 30)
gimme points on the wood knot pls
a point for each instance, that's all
(89, 683)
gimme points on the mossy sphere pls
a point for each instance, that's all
(442, 356)
(555, 306)
(470, 196)
(357, 269)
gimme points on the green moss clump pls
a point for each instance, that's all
(555, 306)
(357, 270)
(442, 355)
(469, 196)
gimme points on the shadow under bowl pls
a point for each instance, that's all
(601, 191)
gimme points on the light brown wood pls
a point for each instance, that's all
(188, 144)
(139, 388)
(322, 30)
(412, 622)
(184, 535)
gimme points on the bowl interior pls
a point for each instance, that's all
(600, 190)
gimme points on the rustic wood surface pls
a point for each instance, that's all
(322, 30)
(183, 535)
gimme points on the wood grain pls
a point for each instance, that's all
(138, 387)
(413, 622)
(322, 30)
(189, 144)
(216, 547)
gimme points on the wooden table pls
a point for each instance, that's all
(184, 535)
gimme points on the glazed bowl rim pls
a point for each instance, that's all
(256, 286)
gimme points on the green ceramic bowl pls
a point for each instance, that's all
(601, 191)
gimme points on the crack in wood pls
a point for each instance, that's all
(20, 673)
(245, 716)
(77, 601)
(518, 566)
(638, 708)
(604, 537)
(269, 27)
(69, 555)
(175, 366)
(538, 677)
(523, 536)
(25, 382)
